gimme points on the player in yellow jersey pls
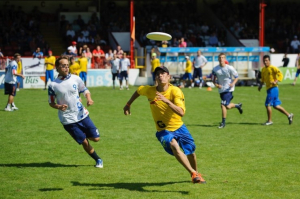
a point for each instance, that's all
(188, 72)
(49, 66)
(271, 75)
(74, 67)
(19, 71)
(168, 107)
(83, 62)
(154, 63)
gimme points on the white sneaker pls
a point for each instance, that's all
(14, 108)
(99, 163)
(8, 109)
(18, 89)
(267, 123)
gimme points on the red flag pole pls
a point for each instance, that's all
(262, 6)
(131, 29)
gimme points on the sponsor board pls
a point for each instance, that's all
(288, 74)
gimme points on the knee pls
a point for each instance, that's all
(94, 139)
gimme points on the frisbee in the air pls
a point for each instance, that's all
(159, 36)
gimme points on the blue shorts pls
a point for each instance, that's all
(83, 75)
(181, 135)
(153, 76)
(187, 76)
(19, 79)
(124, 75)
(82, 129)
(197, 73)
(272, 97)
(10, 89)
(226, 97)
(49, 74)
(298, 72)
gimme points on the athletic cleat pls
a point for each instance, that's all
(14, 108)
(99, 163)
(240, 108)
(222, 125)
(291, 118)
(8, 109)
(267, 123)
(197, 178)
(18, 89)
(121, 88)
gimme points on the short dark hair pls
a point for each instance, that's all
(60, 58)
(266, 56)
(16, 55)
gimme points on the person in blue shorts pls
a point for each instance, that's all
(271, 75)
(64, 95)
(167, 105)
(222, 79)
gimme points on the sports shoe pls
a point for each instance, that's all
(121, 88)
(197, 178)
(18, 89)
(291, 118)
(14, 108)
(267, 123)
(222, 125)
(240, 108)
(99, 163)
(8, 109)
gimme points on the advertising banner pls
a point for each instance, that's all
(288, 74)
(33, 67)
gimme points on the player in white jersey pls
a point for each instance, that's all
(115, 64)
(199, 62)
(124, 67)
(222, 78)
(64, 95)
(11, 82)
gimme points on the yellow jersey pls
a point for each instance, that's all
(50, 60)
(19, 69)
(188, 66)
(83, 62)
(270, 74)
(164, 117)
(155, 63)
(74, 69)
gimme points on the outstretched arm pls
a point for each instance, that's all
(128, 104)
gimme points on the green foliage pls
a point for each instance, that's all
(39, 159)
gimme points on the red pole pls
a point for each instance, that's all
(262, 6)
(131, 29)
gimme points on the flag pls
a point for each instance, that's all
(133, 29)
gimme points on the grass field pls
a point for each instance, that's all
(38, 158)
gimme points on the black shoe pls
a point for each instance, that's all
(240, 108)
(222, 125)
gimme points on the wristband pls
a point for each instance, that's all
(127, 104)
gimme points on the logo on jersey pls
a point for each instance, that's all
(160, 124)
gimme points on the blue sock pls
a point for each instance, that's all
(223, 120)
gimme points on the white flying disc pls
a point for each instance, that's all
(159, 36)
(210, 84)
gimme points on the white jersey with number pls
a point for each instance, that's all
(11, 70)
(224, 77)
(65, 90)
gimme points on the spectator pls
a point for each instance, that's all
(90, 40)
(70, 34)
(85, 32)
(285, 60)
(295, 44)
(182, 43)
(124, 67)
(38, 53)
(69, 52)
(73, 47)
(75, 26)
(81, 39)
(213, 40)
(98, 56)
(108, 56)
(119, 52)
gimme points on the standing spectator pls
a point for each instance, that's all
(10, 82)
(271, 75)
(298, 69)
(74, 67)
(182, 43)
(213, 40)
(64, 95)
(83, 62)
(49, 66)
(108, 56)
(188, 72)
(83, 48)
(295, 44)
(124, 69)
(38, 54)
(199, 62)
(19, 71)
(222, 79)
(89, 57)
(119, 51)
(154, 63)
(115, 65)
(167, 105)
(98, 56)
(285, 60)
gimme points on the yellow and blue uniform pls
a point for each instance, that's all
(271, 74)
(19, 71)
(74, 69)
(188, 70)
(169, 125)
(50, 63)
(154, 63)
(83, 61)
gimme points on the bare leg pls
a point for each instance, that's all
(193, 161)
(224, 111)
(10, 99)
(269, 113)
(282, 110)
(87, 147)
(181, 157)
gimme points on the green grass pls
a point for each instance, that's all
(38, 158)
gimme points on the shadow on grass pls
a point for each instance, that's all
(51, 189)
(40, 164)
(217, 124)
(131, 186)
